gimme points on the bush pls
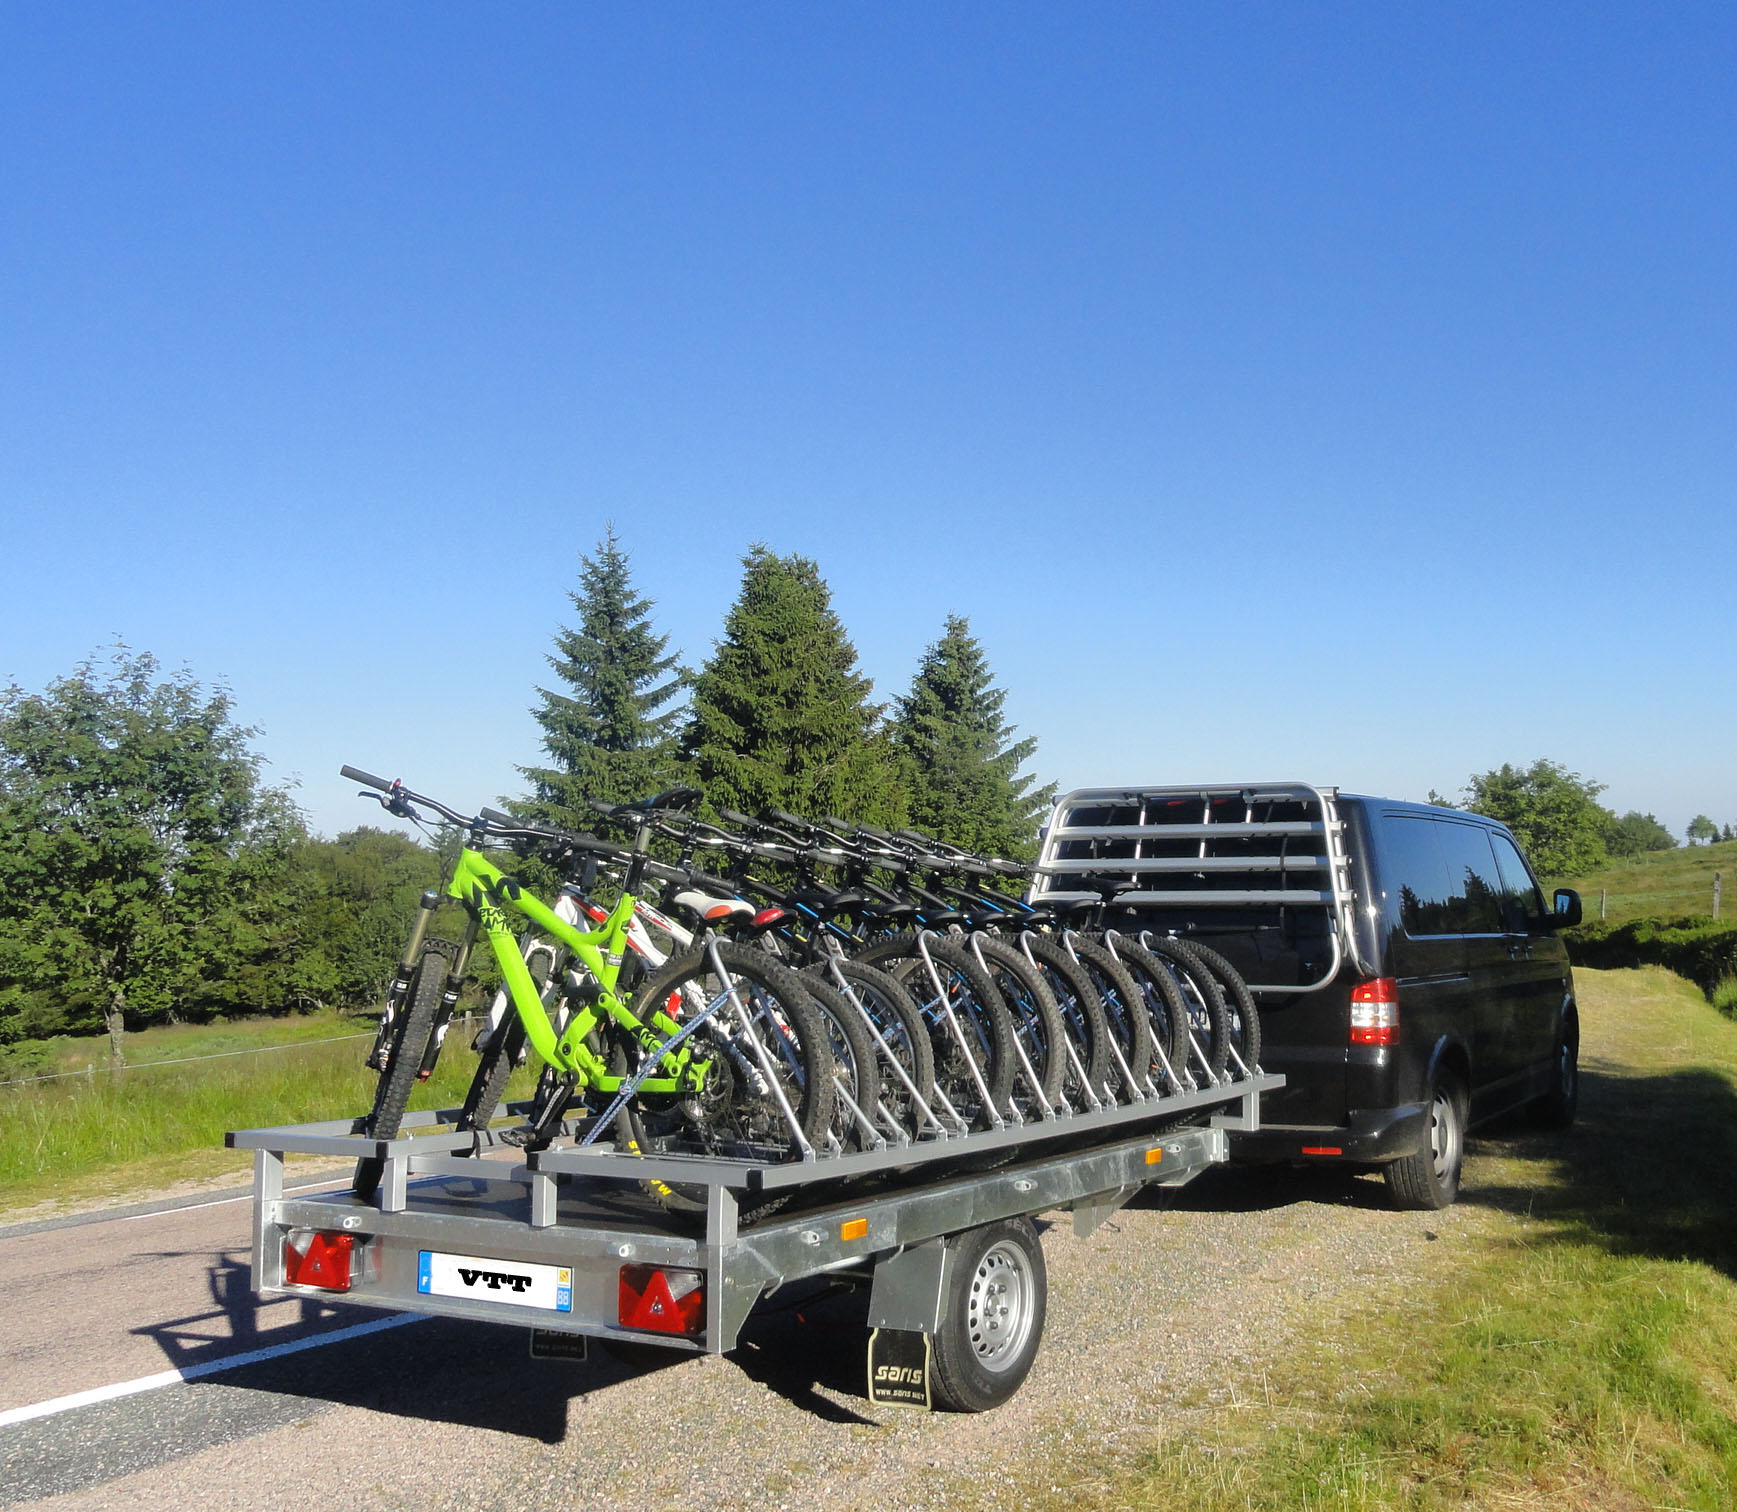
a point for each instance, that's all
(1702, 949)
(1725, 997)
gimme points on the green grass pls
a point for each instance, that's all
(1671, 884)
(163, 1118)
(1578, 1350)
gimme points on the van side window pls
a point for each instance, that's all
(1473, 866)
(1415, 874)
(1442, 875)
(1522, 903)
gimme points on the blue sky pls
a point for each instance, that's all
(1340, 392)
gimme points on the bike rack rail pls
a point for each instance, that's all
(1228, 845)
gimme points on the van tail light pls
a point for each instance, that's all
(1375, 1012)
(662, 1299)
(316, 1257)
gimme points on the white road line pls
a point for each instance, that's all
(193, 1372)
(193, 1207)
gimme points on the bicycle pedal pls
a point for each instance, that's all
(525, 1137)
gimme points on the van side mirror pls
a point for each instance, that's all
(1566, 903)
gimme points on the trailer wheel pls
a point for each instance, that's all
(997, 1292)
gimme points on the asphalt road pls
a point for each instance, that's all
(1178, 1296)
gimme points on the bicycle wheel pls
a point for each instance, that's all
(1124, 1014)
(1089, 1079)
(1208, 1035)
(770, 1073)
(899, 1022)
(856, 1068)
(970, 1030)
(1037, 1023)
(403, 1060)
(1166, 1012)
(1242, 1019)
(502, 1052)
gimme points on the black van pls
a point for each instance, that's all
(1410, 978)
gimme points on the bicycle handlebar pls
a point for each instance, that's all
(356, 774)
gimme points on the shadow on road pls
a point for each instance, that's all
(1647, 1170)
(481, 1375)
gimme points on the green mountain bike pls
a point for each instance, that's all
(720, 1041)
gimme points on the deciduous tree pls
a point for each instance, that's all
(1636, 833)
(138, 848)
(1555, 813)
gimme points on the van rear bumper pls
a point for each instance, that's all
(1373, 1135)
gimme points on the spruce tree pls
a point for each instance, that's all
(781, 717)
(965, 782)
(612, 736)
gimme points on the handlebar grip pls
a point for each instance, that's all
(787, 819)
(603, 806)
(732, 817)
(356, 774)
(495, 816)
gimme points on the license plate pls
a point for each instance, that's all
(513, 1282)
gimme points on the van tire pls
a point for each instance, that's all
(1429, 1177)
(1557, 1107)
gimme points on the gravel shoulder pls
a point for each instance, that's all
(1171, 1308)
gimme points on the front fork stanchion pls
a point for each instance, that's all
(767, 1069)
(1018, 1049)
(995, 1118)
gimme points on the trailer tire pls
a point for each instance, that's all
(992, 1323)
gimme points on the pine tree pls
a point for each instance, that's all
(781, 717)
(966, 785)
(611, 736)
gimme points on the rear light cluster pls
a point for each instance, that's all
(319, 1257)
(1375, 1012)
(662, 1299)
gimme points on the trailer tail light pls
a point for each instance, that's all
(318, 1257)
(1375, 1012)
(662, 1299)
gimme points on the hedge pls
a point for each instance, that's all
(1702, 949)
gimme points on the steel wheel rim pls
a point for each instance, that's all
(999, 1309)
(1444, 1136)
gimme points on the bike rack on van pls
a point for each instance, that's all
(1230, 845)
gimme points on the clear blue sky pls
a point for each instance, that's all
(1343, 392)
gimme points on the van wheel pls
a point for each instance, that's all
(1556, 1108)
(996, 1293)
(1430, 1176)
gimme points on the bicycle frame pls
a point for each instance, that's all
(488, 896)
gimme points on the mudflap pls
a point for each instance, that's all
(898, 1368)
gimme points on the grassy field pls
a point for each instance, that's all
(1660, 884)
(1580, 1353)
(163, 1118)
